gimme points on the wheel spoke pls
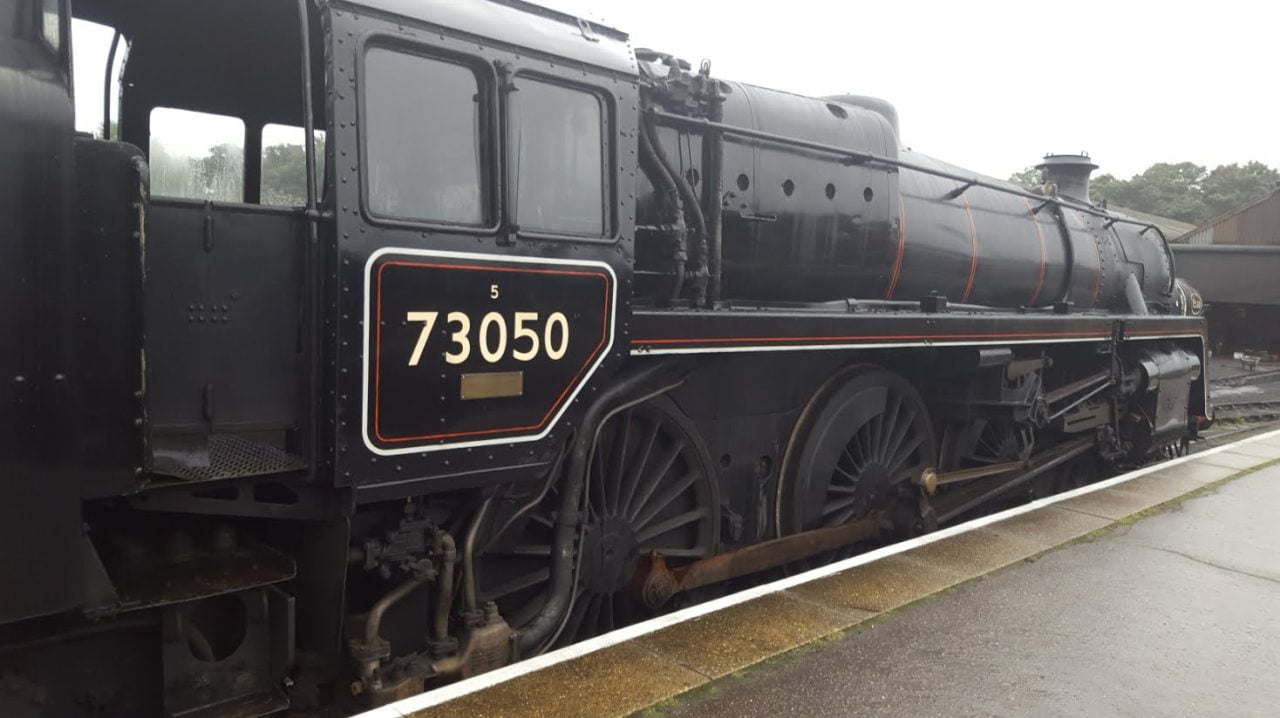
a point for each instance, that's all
(873, 436)
(905, 453)
(671, 524)
(835, 505)
(841, 518)
(619, 454)
(853, 480)
(638, 466)
(895, 441)
(857, 468)
(860, 458)
(864, 441)
(644, 515)
(596, 476)
(654, 477)
(891, 422)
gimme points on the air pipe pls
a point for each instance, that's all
(560, 590)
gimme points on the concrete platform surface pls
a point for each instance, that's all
(1177, 614)
(1174, 614)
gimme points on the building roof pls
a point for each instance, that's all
(1170, 227)
(1255, 223)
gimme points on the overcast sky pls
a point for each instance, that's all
(991, 86)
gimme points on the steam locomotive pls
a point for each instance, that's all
(558, 334)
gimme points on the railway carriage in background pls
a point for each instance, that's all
(560, 334)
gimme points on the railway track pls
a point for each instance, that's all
(1261, 377)
(1265, 410)
(1252, 397)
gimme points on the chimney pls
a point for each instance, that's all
(1070, 173)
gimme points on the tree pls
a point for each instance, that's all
(220, 173)
(115, 131)
(1181, 190)
(1166, 189)
(1233, 185)
(284, 173)
(1027, 178)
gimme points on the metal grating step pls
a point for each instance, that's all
(229, 457)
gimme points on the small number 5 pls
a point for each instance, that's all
(493, 291)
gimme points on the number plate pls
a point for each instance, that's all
(528, 331)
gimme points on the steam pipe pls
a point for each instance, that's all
(560, 589)
(1133, 293)
(692, 206)
(373, 624)
(715, 153)
(671, 205)
(369, 663)
(468, 556)
(446, 548)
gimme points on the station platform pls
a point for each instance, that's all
(1155, 592)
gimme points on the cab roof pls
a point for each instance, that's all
(513, 22)
(518, 23)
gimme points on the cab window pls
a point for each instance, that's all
(422, 133)
(283, 164)
(197, 155)
(558, 166)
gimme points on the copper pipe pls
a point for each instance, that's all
(373, 623)
(444, 598)
(468, 556)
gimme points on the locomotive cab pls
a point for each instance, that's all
(213, 96)
(161, 290)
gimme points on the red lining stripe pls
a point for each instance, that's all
(902, 245)
(1130, 332)
(1035, 293)
(973, 252)
(871, 337)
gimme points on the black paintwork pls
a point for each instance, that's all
(219, 277)
(135, 328)
(807, 226)
(603, 66)
(40, 540)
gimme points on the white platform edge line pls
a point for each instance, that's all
(444, 694)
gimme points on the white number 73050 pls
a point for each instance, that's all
(493, 336)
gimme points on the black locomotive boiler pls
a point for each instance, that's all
(539, 334)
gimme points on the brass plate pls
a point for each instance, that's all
(492, 385)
